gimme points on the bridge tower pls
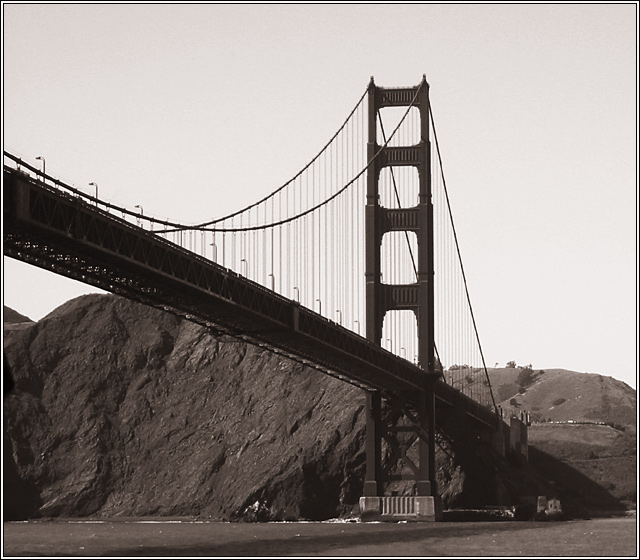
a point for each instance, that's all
(388, 417)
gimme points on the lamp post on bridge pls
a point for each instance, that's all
(96, 186)
(141, 213)
(44, 166)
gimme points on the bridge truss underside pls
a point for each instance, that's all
(64, 234)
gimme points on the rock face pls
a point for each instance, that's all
(120, 409)
(13, 317)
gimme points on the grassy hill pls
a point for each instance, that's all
(559, 395)
(583, 431)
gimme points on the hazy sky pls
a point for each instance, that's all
(195, 110)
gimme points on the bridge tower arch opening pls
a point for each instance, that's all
(393, 427)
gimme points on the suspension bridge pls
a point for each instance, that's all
(351, 267)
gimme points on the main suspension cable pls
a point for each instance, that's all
(279, 189)
(455, 237)
(175, 226)
(303, 213)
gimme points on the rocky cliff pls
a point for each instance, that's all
(120, 409)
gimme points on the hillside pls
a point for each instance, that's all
(123, 410)
(13, 317)
(583, 434)
(558, 395)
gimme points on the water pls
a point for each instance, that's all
(182, 537)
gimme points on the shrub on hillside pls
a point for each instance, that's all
(526, 376)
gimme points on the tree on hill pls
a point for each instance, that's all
(526, 376)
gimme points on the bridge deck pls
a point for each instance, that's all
(51, 229)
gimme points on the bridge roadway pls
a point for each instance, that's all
(58, 231)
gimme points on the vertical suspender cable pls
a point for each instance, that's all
(444, 185)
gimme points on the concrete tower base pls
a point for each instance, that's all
(399, 508)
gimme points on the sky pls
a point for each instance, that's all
(194, 110)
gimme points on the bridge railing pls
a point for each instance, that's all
(131, 220)
(77, 239)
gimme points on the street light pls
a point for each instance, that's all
(340, 320)
(44, 164)
(141, 213)
(96, 186)
(319, 306)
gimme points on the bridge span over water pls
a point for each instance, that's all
(365, 212)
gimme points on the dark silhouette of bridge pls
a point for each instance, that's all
(320, 214)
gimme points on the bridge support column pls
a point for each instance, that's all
(373, 445)
(400, 439)
(518, 436)
(427, 483)
(400, 448)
